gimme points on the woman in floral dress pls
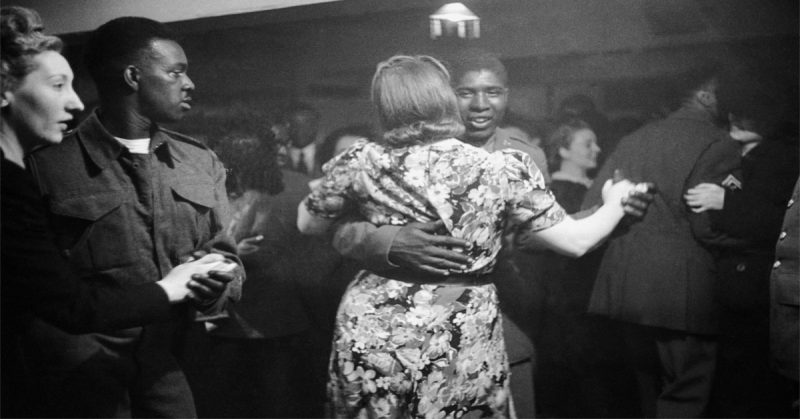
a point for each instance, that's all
(407, 345)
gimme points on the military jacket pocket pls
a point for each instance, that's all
(199, 194)
(192, 220)
(76, 223)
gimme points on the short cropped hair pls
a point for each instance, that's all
(477, 60)
(21, 39)
(300, 107)
(118, 43)
(687, 83)
(562, 137)
(755, 95)
(414, 100)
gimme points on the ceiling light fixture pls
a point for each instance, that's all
(455, 19)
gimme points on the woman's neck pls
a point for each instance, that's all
(12, 148)
(572, 170)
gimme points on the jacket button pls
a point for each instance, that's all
(782, 236)
(741, 267)
(776, 265)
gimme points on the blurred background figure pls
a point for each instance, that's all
(750, 206)
(572, 153)
(785, 304)
(579, 369)
(342, 138)
(527, 129)
(657, 279)
(581, 106)
(302, 124)
(268, 356)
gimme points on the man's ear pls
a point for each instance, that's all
(707, 98)
(5, 100)
(563, 152)
(131, 77)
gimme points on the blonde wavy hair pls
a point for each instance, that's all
(414, 101)
(22, 39)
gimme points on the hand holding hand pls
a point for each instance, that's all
(197, 254)
(615, 193)
(418, 247)
(175, 283)
(639, 199)
(705, 196)
(206, 288)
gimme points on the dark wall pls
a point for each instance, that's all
(620, 52)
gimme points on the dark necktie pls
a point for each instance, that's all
(301, 163)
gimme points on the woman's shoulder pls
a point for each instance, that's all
(512, 157)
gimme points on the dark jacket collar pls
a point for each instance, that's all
(686, 112)
(103, 148)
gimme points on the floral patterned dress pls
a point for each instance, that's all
(436, 350)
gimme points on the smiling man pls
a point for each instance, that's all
(480, 81)
(128, 201)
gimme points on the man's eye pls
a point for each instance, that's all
(495, 92)
(464, 93)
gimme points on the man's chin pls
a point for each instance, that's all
(478, 137)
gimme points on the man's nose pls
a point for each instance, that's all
(188, 84)
(480, 101)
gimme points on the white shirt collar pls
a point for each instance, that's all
(135, 145)
(308, 151)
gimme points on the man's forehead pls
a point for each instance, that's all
(483, 78)
(165, 48)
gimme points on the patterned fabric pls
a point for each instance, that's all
(473, 191)
(434, 350)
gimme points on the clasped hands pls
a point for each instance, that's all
(421, 247)
(201, 278)
(638, 199)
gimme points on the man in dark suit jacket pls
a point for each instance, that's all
(303, 126)
(785, 300)
(744, 385)
(657, 275)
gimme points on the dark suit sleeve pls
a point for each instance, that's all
(720, 160)
(756, 211)
(36, 278)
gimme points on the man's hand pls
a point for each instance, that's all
(639, 199)
(206, 289)
(418, 247)
(175, 283)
